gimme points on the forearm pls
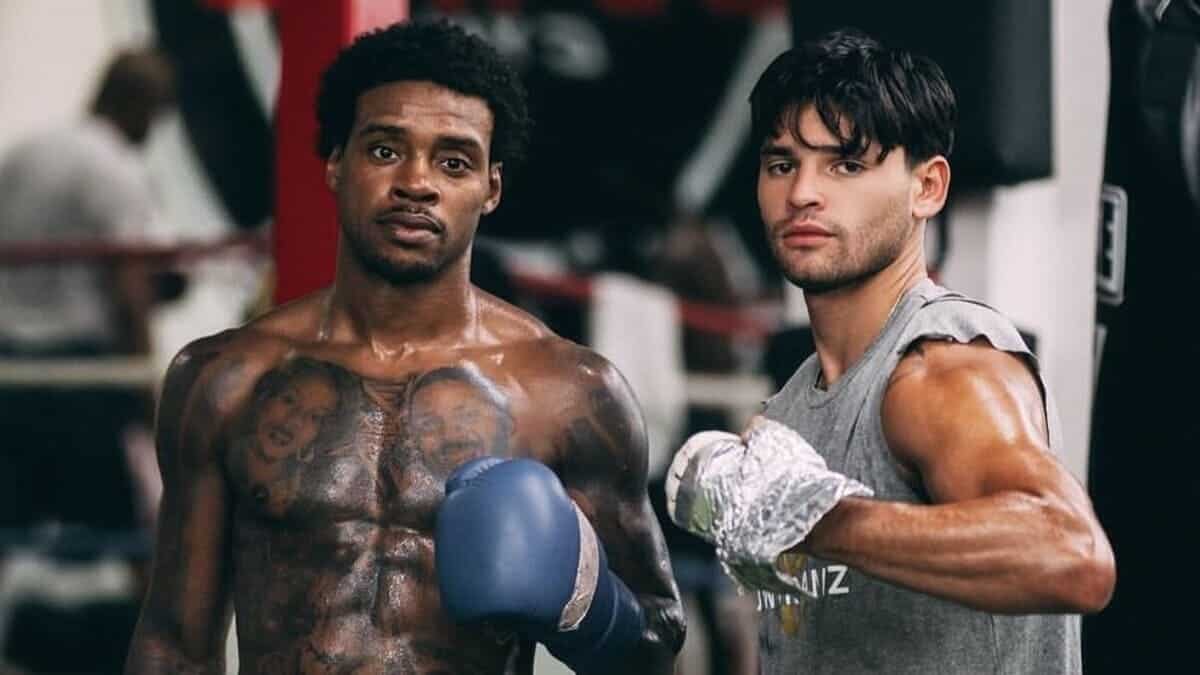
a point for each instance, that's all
(152, 652)
(170, 638)
(1007, 553)
(651, 658)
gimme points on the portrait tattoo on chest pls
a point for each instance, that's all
(300, 416)
(454, 415)
(346, 474)
(316, 431)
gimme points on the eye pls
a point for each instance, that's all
(779, 167)
(847, 167)
(381, 152)
(456, 165)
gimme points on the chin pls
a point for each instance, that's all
(816, 287)
(403, 271)
(402, 274)
(820, 283)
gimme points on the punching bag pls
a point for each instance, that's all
(1144, 470)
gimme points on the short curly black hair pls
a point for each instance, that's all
(425, 51)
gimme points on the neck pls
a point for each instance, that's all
(845, 321)
(440, 312)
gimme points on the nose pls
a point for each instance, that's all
(411, 181)
(805, 191)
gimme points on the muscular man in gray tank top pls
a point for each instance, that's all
(899, 507)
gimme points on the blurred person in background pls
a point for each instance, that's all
(65, 462)
(691, 263)
(84, 183)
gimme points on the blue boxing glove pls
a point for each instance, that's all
(511, 546)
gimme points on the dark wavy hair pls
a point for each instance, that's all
(425, 51)
(889, 96)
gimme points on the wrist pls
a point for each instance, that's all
(823, 540)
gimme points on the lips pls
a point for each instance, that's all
(280, 436)
(410, 220)
(804, 234)
(409, 228)
(806, 229)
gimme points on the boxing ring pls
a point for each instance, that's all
(31, 560)
(754, 323)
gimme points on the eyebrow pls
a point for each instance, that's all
(382, 129)
(777, 150)
(453, 141)
(464, 143)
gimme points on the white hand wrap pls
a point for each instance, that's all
(754, 497)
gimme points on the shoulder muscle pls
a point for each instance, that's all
(602, 435)
(957, 413)
(205, 382)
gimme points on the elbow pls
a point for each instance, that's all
(668, 629)
(661, 640)
(1085, 582)
(156, 648)
(1095, 581)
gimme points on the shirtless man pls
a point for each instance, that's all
(305, 456)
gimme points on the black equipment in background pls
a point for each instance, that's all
(996, 54)
(1144, 469)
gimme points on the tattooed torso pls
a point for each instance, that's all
(337, 478)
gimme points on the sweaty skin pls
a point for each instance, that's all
(1008, 529)
(304, 456)
(304, 477)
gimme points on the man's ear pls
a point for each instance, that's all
(333, 168)
(931, 186)
(495, 187)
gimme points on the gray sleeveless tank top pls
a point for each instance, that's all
(846, 622)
